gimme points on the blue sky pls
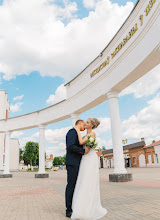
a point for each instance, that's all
(31, 75)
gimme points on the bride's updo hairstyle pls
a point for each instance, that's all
(95, 122)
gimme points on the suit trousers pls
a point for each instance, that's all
(72, 174)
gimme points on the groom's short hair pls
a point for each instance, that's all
(78, 121)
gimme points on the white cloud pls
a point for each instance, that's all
(145, 86)
(0, 79)
(16, 107)
(54, 136)
(24, 140)
(105, 125)
(57, 135)
(105, 143)
(17, 134)
(59, 150)
(18, 98)
(60, 94)
(90, 4)
(145, 123)
(68, 12)
(102, 136)
(39, 40)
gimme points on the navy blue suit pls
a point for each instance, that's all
(73, 159)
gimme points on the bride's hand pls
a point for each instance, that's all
(81, 140)
(76, 128)
(87, 149)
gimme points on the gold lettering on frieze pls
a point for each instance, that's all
(106, 62)
(147, 10)
(149, 6)
(125, 40)
(101, 66)
(141, 19)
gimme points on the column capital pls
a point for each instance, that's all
(74, 117)
(42, 126)
(112, 94)
(8, 133)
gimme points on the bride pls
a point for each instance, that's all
(86, 199)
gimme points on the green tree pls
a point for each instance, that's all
(153, 141)
(59, 160)
(31, 153)
(56, 161)
(63, 159)
(20, 154)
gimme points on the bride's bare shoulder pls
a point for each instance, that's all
(93, 134)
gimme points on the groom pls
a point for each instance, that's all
(73, 159)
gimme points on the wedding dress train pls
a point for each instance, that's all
(86, 202)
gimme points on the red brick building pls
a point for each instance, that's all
(135, 155)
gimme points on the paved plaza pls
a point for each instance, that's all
(26, 198)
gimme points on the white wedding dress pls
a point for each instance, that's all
(86, 202)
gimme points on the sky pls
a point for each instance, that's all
(45, 43)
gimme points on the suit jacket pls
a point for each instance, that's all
(74, 149)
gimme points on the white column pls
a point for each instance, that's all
(7, 153)
(41, 149)
(119, 166)
(74, 117)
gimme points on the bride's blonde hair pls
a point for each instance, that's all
(95, 122)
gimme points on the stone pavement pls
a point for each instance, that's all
(26, 198)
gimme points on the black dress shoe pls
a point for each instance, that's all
(68, 214)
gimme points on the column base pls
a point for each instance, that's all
(6, 175)
(41, 175)
(120, 177)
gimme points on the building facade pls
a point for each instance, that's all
(49, 161)
(14, 143)
(135, 155)
(153, 159)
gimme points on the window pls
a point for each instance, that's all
(157, 158)
(134, 160)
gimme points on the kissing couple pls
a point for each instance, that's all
(82, 194)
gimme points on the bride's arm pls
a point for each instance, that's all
(81, 140)
(84, 140)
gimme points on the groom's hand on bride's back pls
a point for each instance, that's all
(87, 149)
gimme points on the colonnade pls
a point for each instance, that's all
(7, 153)
(119, 173)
